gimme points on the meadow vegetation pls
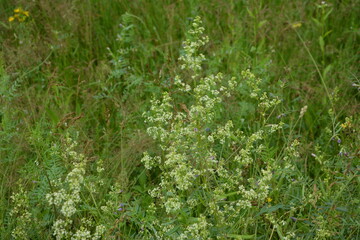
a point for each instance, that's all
(185, 119)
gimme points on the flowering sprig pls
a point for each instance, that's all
(21, 213)
(265, 102)
(68, 198)
(20, 15)
(192, 59)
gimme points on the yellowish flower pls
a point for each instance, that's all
(17, 10)
(26, 13)
(11, 19)
(268, 199)
(347, 123)
(296, 25)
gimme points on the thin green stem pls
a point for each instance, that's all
(317, 67)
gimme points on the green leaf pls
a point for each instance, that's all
(262, 23)
(139, 189)
(250, 13)
(327, 14)
(326, 70)
(143, 179)
(4, 25)
(319, 24)
(327, 33)
(341, 209)
(236, 236)
(227, 195)
(270, 209)
(52, 115)
(322, 44)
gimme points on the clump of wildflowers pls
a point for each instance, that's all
(67, 198)
(20, 15)
(195, 174)
(21, 213)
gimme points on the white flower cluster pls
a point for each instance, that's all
(161, 114)
(225, 132)
(264, 101)
(253, 82)
(67, 199)
(68, 196)
(150, 161)
(197, 230)
(21, 213)
(191, 58)
(291, 155)
(172, 205)
(323, 231)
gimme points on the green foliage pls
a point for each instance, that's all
(250, 133)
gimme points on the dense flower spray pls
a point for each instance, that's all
(204, 187)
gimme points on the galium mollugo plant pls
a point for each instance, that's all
(67, 199)
(21, 213)
(205, 184)
(76, 209)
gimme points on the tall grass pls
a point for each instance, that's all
(140, 120)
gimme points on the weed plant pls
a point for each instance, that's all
(141, 120)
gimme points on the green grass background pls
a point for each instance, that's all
(60, 73)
